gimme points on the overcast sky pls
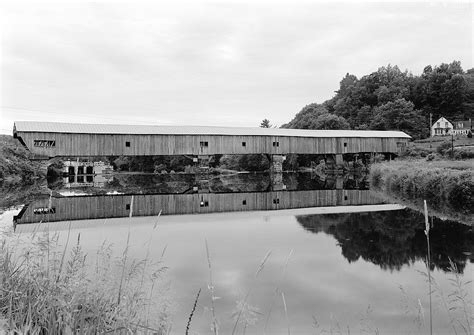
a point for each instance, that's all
(227, 63)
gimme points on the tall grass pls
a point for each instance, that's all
(418, 179)
(46, 289)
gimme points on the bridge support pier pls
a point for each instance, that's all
(276, 172)
(201, 175)
(277, 163)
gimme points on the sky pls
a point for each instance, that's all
(222, 63)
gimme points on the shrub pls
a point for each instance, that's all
(441, 149)
(415, 152)
(463, 153)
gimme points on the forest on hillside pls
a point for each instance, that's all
(390, 99)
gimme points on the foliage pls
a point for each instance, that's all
(431, 181)
(315, 116)
(463, 153)
(441, 149)
(47, 290)
(265, 123)
(393, 99)
(415, 152)
(330, 121)
(399, 114)
(15, 163)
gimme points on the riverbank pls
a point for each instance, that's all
(440, 182)
(15, 164)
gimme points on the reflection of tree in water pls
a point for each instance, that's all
(392, 239)
(309, 181)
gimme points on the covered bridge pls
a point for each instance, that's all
(51, 139)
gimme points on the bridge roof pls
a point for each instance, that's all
(83, 128)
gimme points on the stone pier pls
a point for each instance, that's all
(276, 172)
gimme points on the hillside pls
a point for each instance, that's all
(391, 99)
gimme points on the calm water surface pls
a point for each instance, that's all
(349, 265)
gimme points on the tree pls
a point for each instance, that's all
(265, 123)
(400, 115)
(306, 118)
(331, 121)
(444, 90)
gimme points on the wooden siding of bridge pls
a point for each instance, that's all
(142, 145)
(101, 207)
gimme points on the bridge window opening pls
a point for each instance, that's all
(44, 143)
(127, 144)
(89, 170)
(80, 179)
(345, 197)
(71, 170)
(44, 210)
(276, 144)
(90, 179)
(71, 179)
(80, 170)
(244, 202)
(204, 144)
(127, 207)
(244, 144)
(276, 201)
(345, 144)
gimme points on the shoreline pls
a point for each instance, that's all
(443, 183)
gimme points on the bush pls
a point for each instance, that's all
(441, 149)
(415, 152)
(463, 153)
(15, 162)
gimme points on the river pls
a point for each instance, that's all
(336, 258)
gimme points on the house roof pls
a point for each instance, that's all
(82, 128)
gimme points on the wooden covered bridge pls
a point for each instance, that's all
(50, 139)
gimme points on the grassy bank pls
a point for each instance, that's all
(439, 182)
(51, 289)
(15, 164)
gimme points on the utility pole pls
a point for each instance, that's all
(452, 145)
(431, 122)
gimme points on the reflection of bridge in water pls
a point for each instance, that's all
(115, 206)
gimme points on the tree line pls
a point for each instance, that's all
(389, 99)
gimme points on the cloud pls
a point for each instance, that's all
(210, 62)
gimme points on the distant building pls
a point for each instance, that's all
(442, 127)
(462, 127)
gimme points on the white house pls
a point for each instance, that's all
(442, 127)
